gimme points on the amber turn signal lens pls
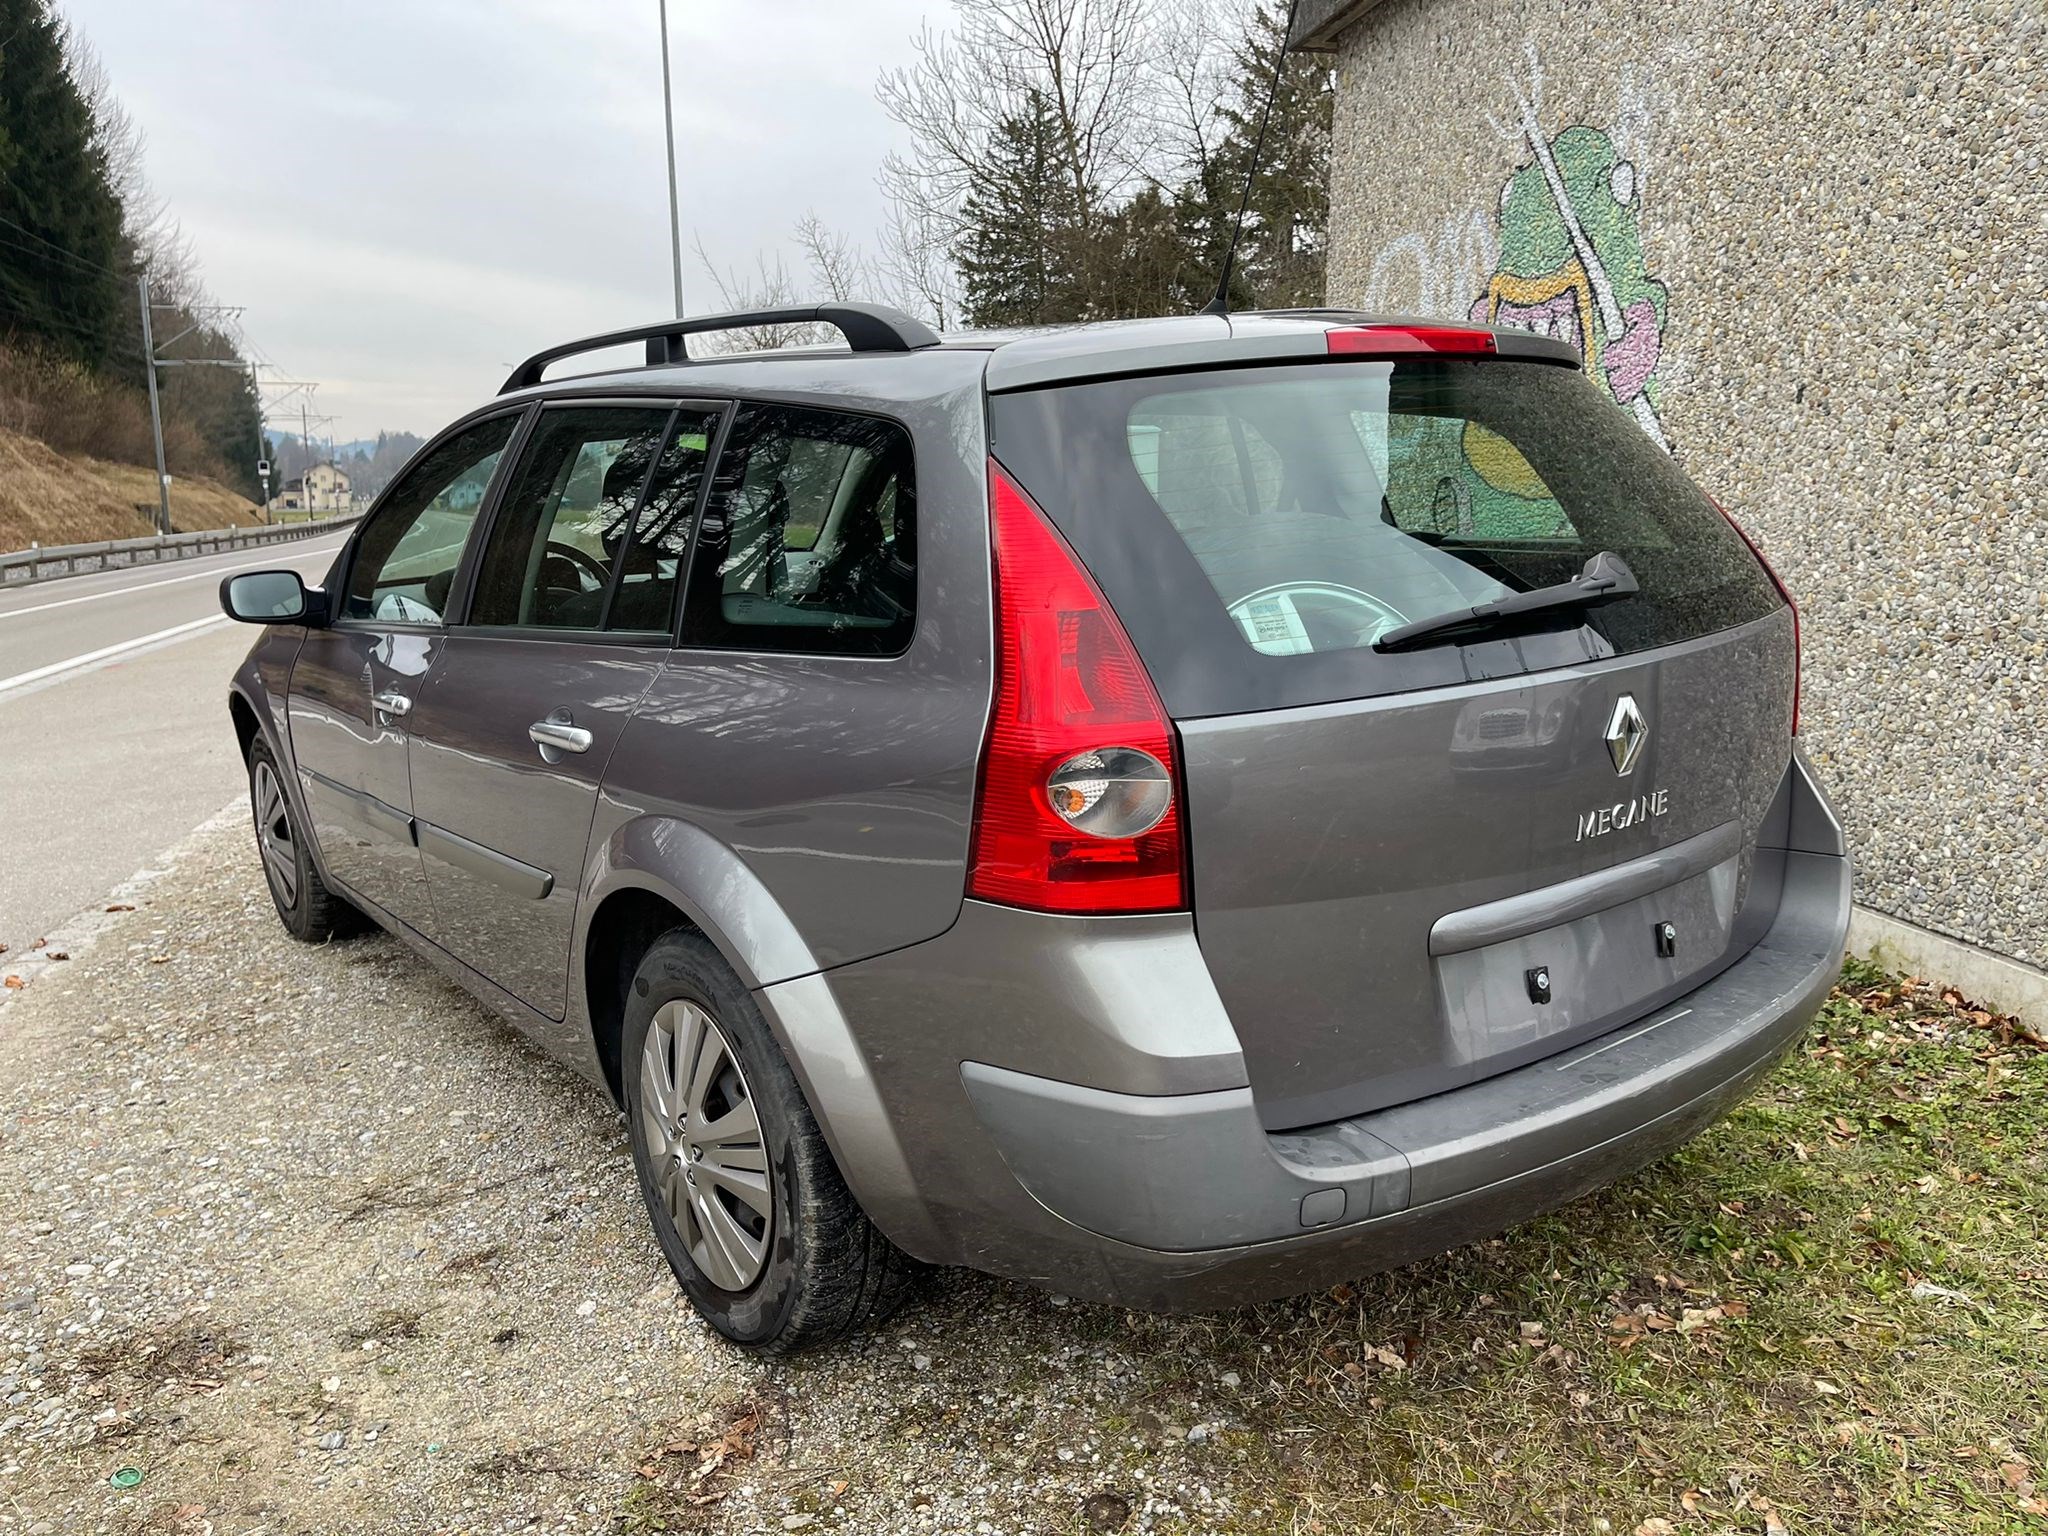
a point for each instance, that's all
(1111, 792)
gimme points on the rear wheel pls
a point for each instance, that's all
(747, 1204)
(305, 906)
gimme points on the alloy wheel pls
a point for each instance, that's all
(274, 836)
(703, 1138)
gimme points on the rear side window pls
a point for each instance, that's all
(591, 530)
(809, 538)
(1257, 529)
(562, 524)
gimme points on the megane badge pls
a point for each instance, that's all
(1626, 733)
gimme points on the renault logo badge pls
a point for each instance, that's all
(1626, 733)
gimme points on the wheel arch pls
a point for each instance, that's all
(247, 726)
(655, 873)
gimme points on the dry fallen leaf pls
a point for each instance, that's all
(122, 906)
(15, 983)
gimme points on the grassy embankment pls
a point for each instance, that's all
(48, 497)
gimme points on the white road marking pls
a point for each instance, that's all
(217, 572)
(107, 653)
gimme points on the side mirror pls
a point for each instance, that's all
(272, 597)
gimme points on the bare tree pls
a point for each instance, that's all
(767, 287)
(916, 265)
(1087, 58)
(839, 268)
(1191, 64)
(159, 242)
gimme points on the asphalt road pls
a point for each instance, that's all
(114, 734)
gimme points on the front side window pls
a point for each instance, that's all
(404, 563)
(809, 538)
(562, 551)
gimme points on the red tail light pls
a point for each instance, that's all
(1784, 592)
(1406, 340)
(1069, 685)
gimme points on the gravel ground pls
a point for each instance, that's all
(301, 1240)
(315, 1244)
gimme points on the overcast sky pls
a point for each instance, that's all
(409, 197)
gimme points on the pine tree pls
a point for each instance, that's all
(1280, 261)
(61, 248)
(1018, 257)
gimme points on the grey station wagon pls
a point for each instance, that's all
(1178, 812)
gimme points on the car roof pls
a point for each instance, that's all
(1035, 356)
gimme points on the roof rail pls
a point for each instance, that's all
(866, 327)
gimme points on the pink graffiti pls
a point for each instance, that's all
(1630, 358)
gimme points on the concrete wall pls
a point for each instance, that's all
(1822, 229)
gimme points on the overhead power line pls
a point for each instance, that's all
(71, 256)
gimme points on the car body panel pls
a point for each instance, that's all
(1184, 1199)
(477, 774)
(1331, 841)
(844, 784)
(350, 759)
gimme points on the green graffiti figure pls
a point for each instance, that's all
(1571, 265)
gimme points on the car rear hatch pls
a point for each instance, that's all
(1414, 867)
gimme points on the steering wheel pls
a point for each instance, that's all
(1297, 617)
(591, 576)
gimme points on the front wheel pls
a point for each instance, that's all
(746, 1201)
(308, 910)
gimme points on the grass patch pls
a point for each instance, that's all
(1827, 1314)
(687, 1470)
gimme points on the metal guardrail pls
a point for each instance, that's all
(40, 563)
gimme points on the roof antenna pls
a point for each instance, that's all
(1220, 305)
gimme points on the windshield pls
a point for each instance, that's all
(1258, 529)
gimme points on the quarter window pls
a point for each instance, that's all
(809, 539)
(405, 561)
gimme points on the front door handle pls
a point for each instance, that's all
(396, 705)
(555, 735)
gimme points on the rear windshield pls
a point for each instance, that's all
(1257, 529)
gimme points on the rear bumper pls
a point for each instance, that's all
(1146, 1196)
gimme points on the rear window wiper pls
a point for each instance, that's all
(1606, 579)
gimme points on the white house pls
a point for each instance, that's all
(323, 488)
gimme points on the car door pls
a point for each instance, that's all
(354, 682)
(570, 618)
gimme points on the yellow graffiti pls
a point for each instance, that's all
(1506, 288)
(1501, 465)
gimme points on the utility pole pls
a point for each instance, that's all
(156, 419)
(668, 139)
(262, 440)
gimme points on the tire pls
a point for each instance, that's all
(309, 911)
(762, 1233)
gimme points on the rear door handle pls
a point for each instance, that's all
(392, 704)
(555, 735)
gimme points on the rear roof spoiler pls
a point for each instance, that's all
(866, 327)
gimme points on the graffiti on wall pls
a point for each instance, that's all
(1560, 253)
(1571, 264)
